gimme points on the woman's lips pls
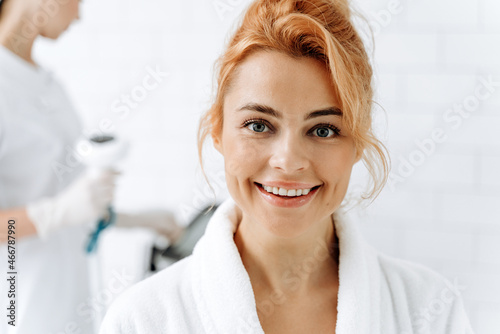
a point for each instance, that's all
(286, 201)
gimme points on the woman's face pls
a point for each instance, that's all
(61, 14)
(269, 137)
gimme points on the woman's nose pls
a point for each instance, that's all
(289, 154)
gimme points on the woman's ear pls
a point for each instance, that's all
(359, 155)
(217, 142)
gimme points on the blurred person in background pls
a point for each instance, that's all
(39, 126)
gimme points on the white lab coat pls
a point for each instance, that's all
(38, 127)
(210, 291)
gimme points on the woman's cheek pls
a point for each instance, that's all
(243, 157)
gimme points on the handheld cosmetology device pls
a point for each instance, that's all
(106, 151)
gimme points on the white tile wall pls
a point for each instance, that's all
(472, 49)
(487, 318)
(444, 13)
(436, 88)
(429, 56)
(490, 165)
(489, 14)
(404, 49)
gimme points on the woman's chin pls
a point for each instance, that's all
(53, 35)
(50, 36)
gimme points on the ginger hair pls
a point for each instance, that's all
(322, 30)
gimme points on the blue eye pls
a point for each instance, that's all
(258, 127)
(324, 130)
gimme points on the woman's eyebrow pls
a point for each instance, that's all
(272, 112)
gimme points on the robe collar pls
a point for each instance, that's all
(224, 294)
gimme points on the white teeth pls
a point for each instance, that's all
(286, 192)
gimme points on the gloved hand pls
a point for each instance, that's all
(163, 222)
(85, 200)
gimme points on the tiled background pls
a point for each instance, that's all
(441, 208)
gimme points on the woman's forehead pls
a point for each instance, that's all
(276, 64)
(276, 79)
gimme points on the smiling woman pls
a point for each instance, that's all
(316, 30)
(293, 150)
(291, 117)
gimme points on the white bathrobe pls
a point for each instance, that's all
(210, 291)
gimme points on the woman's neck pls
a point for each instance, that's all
(18, 34)
(293, 266)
